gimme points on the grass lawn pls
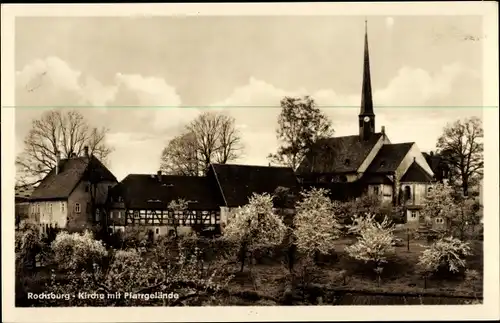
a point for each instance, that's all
(400, 274)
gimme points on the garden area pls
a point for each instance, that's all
(327, 253)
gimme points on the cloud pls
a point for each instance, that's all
(398, 106)
(144, 112)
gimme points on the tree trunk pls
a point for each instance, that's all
(243, 255)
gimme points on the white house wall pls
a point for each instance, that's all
(51, 213)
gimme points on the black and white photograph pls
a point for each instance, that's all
(251, 160)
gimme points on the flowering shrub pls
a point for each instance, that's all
(375, 240)
(316, 223)
(135, 272)
(255, 226)
(446, 254)
(75, 251)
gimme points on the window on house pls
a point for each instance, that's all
(413, 214)
(157, 230)
(77, 208)
(439, 220)
(429, 189)
(376, 190)
(62, 206)
(119, 214)
(97, 215)
(50, 208)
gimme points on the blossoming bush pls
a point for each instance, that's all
(135, 271)
(77, 251)
(375, 240)
(446, 255)
(255, 226)
(316, 224)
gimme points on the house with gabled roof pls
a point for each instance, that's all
(143, 200)
(368, 163)
(71, 196)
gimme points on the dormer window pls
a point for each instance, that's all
(347, 162)
(382, 163)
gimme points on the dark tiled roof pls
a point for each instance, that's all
(338, 154)
(374, 178)
(23, 192)
(239, 182)
(141, 191)
(416, 173)
(389, 158)
(71, 172)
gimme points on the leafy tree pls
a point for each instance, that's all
(439, 202)
(28, 244)
(316, 223)
(446, 254)
(255, 226)
(375, 240)
(462, 148)
(300, 124)
(181, 156)
(58, 132)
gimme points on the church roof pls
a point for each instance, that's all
(71, 172)
(338, 154)
(389, 158)
(416, 174)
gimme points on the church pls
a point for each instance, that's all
(368, 163)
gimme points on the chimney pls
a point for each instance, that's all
(58, 161)
(383, 130)
(158, 175)
(86, 151)
(431, 153)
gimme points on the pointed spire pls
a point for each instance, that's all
(366, 94)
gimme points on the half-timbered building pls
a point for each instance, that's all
(145, 201)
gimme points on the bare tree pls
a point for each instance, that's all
(210, 138)
(462, 148)
(180, 157)
(57, 132)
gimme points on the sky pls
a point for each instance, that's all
(144, 78)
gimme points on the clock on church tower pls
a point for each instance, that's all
(366, 119)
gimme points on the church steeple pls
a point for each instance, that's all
(366, 115)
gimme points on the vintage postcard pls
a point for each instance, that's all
(193, 162)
